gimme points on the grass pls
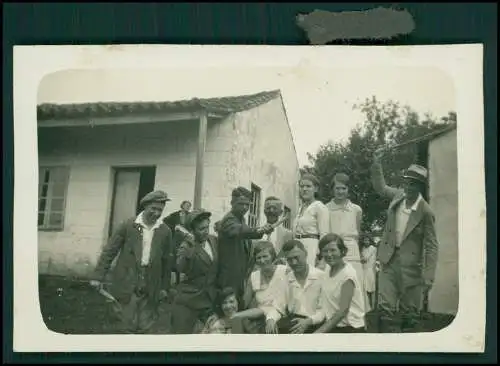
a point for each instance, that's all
(72, 307)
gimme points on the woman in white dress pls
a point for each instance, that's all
(345, 221)
(312, 221)
(341, 291)
(368, 258)
(265, 284)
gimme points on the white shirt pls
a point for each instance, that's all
(313, 219)
(147, 237)
(299, 300)
(330, 297)
(344, 218)
(265, 294)
(402, 217)
(273, 238)
(208, 250)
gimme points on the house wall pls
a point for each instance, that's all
(253, 146)
(91, 153)
(443, 197)
(241, 149)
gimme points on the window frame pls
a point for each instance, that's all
(45, 193)
(288, 222)
(254, 210)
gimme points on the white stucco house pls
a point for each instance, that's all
(97, 159)
(443, 198)
(438, 151)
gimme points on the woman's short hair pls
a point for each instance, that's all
(329, 238)
(221, 297)
(340, 178)
(263, 245)
(310, 177)
(184, 203)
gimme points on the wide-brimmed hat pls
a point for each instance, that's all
(196, 215)
(416, 172)
(155, 196)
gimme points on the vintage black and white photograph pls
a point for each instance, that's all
(284, 191)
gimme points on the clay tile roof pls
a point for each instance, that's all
(224, 105)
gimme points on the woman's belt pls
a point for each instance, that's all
(306, 236)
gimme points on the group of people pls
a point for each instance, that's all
(313, 278)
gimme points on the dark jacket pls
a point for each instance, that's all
(235, 248)
(198, 289)
(126, 243)
(173, 220)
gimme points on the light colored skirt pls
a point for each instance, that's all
(311, 246)
(369, 279)
(353, 253)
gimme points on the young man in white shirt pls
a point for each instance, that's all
(297, 310)
(142, 274)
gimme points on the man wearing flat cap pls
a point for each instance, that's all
(235, 246)
(197, 258)
(141, 277)
(407, 253)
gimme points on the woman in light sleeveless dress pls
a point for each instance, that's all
(312, 221)
(341, 294)
(345, 221)
(265, 284)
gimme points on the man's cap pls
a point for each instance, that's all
(241, 194)
(416, 172)
(196, 215)
(154, 196)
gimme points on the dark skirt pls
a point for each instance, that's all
(286, 323)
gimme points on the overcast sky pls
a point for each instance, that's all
(318, 100)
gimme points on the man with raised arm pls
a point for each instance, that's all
(407, 253)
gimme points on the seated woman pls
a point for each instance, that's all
(342, 299)
(263, 286)
(225, 308)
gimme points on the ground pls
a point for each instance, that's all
(71, 306)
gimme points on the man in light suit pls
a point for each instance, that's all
(273, 210)
(407, 253)
(141, 277)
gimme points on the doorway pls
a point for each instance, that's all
(130, 184)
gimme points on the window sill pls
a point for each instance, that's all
(44, 229)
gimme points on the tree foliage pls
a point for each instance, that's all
(385, 124)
